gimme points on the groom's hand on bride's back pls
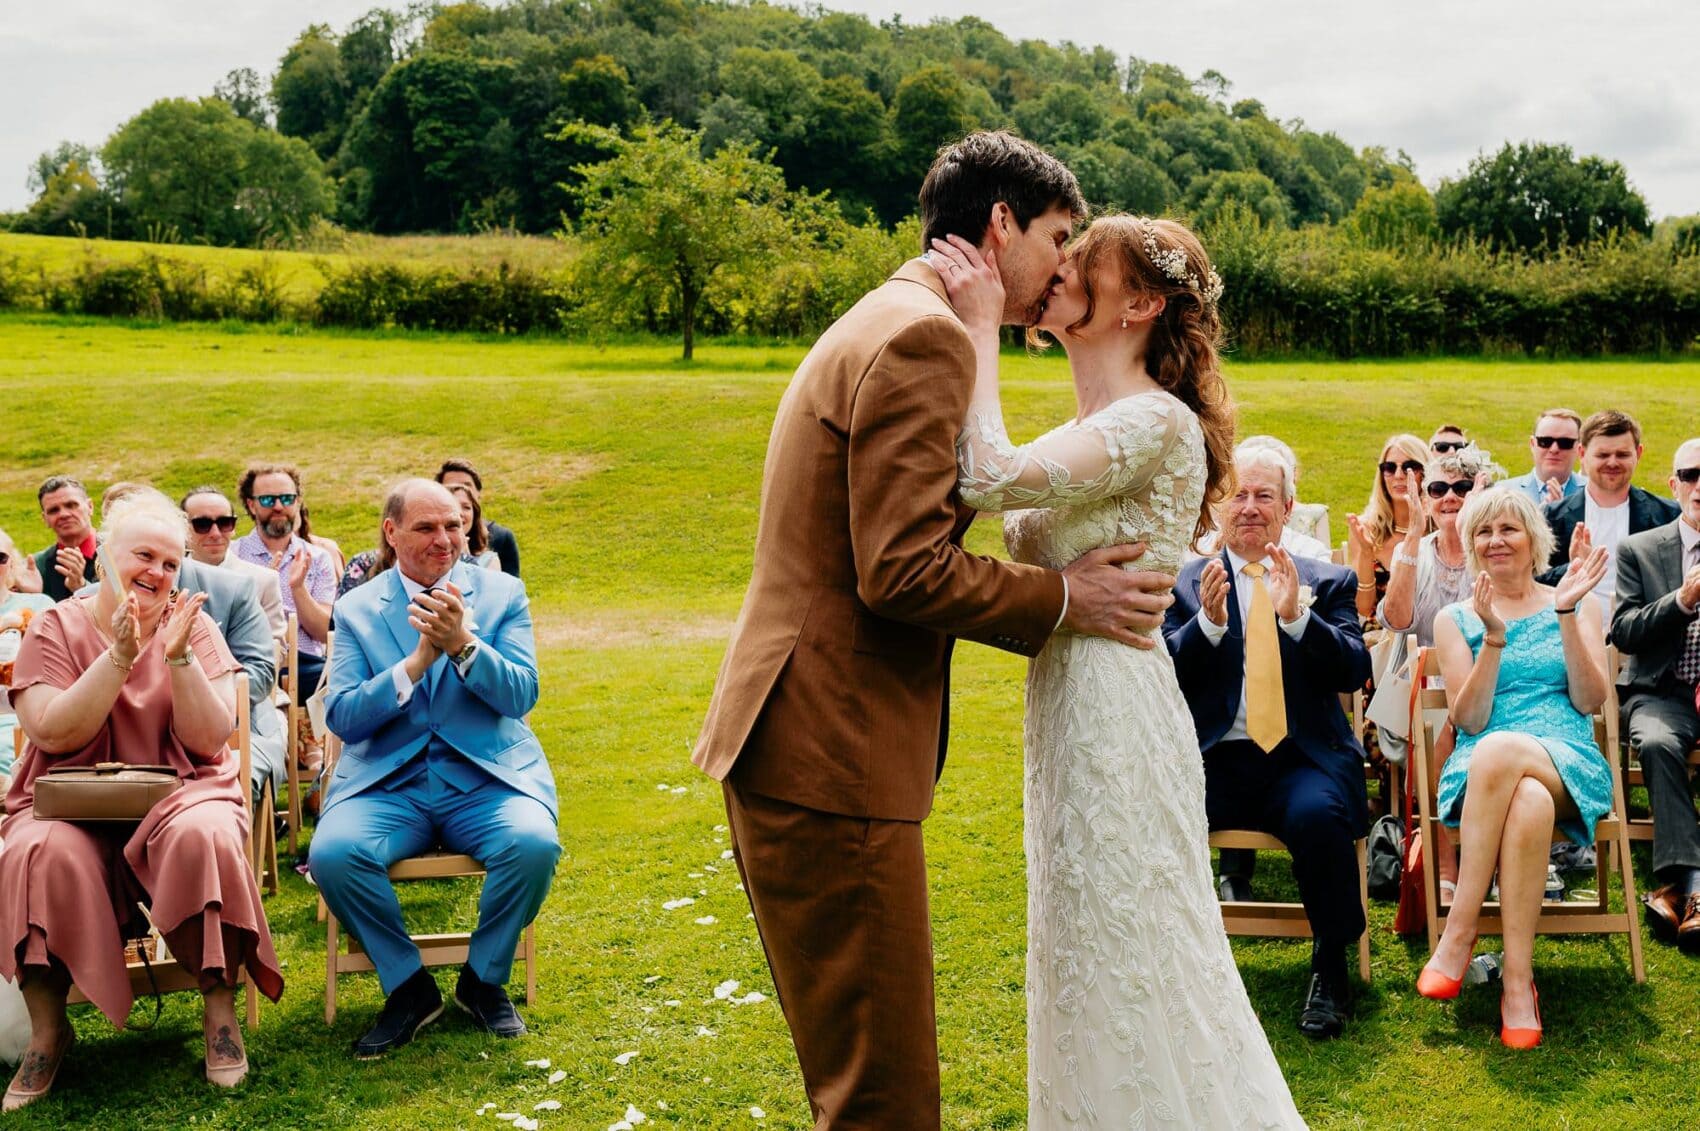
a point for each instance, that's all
(1104, 599)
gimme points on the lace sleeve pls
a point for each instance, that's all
(1110, 453)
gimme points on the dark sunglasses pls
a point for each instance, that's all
(226, 523)
(1684, 474)
(1444, 446)
(1565, 443)
(4, 557)
(1437, 490)
(1388, 467)
(277, 500)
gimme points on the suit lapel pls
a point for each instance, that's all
(395, 611)
(1668, 560)
(1233, 689)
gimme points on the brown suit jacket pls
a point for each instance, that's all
(833, 694)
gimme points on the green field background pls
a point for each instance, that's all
(631, 483)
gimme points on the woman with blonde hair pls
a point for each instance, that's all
(135, 673)
(1525, 668)
(1387, 517)
(1127, 961)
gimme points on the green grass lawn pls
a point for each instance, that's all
(631, 483)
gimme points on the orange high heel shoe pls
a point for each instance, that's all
(1520, 1038)
(1436, 986)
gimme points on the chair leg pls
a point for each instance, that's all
(1363, 895)
(1632, 922)
(273, 879)
(530, 962)
(292, 762)
(330, 966)
(253, 1005)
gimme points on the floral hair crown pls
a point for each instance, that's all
(1171, 261)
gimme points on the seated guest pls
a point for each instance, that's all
(68, 564)
(1553, 447)
(1262, 670)
(1525, 667)
(501, 538)
(435, 670)
(212, 521)
(1657, 630)
(143, 679)
(1386, 519)
(1309, 542)
(1429, 569)
(477, 534)
(1609, 504)
(16, 611)
(271, 493)
(365, 565)
(1447, 438)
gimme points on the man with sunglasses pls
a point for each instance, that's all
(1657, 628)
(1448, 438)
(272, 495)
(1553, 446)
(1611, 506)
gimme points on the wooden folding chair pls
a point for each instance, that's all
(1611, 835)
(287, 680)
(1285, 920)
(434, 950)
(160, 973)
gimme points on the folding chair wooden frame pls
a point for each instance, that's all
(288, 678)
(1285, 920)
(434, 950)
(166, 976)
(1611, 837)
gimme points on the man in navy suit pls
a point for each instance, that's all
(1264, 643)
(433, 674)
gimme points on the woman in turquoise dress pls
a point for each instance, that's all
(1525, 669)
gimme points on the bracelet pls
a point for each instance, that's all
(1489, 642)
(116, 664)
(1404, 559)
(1564, 612)
(1366, 587)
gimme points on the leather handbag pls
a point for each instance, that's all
(108, 792)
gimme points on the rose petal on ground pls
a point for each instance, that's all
(662, 1104)
(673, 1001)
(548, 1105)
(525, 1124)
(634, 1116)
(678, 789)
(625, 1058)
(675, 904)
(652, 979)
(557, 1076)
(757, 1113)
(620, 1126)
(705, 1031)
(726, 989)
(712, 868)
(662, 785)
(544, 1063)
(754, 997)
(483, 1109)
(706, 921)
(727, 855)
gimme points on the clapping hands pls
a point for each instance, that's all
(179, 621)
(1587, 566)
(1481, 599)
(1213, 590)
(1283, 582)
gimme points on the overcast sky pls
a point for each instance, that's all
(1442, 80)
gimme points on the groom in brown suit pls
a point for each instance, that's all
(829, 718)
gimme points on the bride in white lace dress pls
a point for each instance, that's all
(1136, 1015)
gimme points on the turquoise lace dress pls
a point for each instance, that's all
(1532, 697)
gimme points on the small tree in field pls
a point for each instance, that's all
(660, 218)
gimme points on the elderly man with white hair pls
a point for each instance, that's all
(1657, 628)
(1293, 540)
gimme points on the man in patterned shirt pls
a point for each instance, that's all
(272, 495)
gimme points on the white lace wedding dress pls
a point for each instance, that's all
(1136, 1015)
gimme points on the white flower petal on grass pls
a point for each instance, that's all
(557, 1076)
(719, 828)
(544, 1063)
(726, 989)
(757, 1113)
(525, 1124)
(625, 1058)
(620, 1126)
(694, 876)
(507, 1116)
(712, 868)
(727, 855)
(707, 921)
(678, 789)
(652, 979)
(754, 997)
(675, 904)
(548, 1105)
(662, 1104)
(484, 1109)
(634, 1116)
(673, 1001)
(705, 1031)
(662, 785)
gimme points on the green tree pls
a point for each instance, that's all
(246, 93)
(1395, 218)
(931, 109)
(310, 91)
(214, 177)
(1210, 195)
(660, 219)
(1066, 114)
(1534, 197)
(57, 160)
(73, 203)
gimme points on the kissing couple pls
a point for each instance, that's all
(829, 719)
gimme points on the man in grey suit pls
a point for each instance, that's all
(1657, 628)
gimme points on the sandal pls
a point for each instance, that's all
(35, 1063)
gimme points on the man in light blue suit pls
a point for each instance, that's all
(433, 673)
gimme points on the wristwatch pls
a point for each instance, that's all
(187, 658)
(464, 657)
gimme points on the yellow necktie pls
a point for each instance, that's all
(1265, 700)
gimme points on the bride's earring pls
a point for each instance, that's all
(1124, 323)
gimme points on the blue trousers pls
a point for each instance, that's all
(426, 805)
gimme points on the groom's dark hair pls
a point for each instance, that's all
(970, 176)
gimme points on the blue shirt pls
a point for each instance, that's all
(1536, 489)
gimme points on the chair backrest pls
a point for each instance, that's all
(292, 650)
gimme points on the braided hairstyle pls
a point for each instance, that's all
(1183, 353)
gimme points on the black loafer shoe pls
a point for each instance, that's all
(1234, 889)
(1324, 1015)
(415, 1004)
(488, 1005)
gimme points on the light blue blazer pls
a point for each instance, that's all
(481, 715)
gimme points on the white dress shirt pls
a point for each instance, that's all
(1213, 632)
(1690, 555)
(1609, 526)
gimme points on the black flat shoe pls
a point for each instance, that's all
(1325, 1010)
(1233, 889)
(415, 1004)
(488, 1005)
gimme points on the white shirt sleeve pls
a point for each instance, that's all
(1213, 632)
(1296, 627)
(403, 685)
(1060, 616)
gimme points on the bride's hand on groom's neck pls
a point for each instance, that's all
(1108, 601)
(971, 281)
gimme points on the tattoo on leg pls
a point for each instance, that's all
(33, 1072)
(224, 1045)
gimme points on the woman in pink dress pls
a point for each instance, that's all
(143, 678)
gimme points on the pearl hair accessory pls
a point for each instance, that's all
(1172, 263)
